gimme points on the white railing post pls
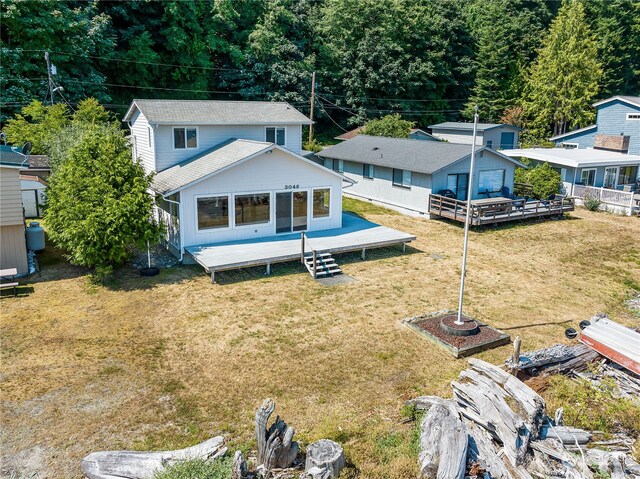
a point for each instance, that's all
(302, 248)
(631, 205)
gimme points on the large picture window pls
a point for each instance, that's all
(402, 178)
(213, 212)
(321, 203)
(275, 135)
(252, 209)
(185, 138)
(490, 181)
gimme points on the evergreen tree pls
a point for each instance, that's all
(564, 79)
(37, 123)
(390, 125)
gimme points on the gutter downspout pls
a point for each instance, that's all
(180, 224)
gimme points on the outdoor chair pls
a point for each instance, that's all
(507, 193)
(447, 194)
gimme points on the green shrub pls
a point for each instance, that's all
(197, 469)
(313, 145)
(543, 178)
(390, 125)
(592, 203)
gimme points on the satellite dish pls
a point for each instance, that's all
(26, 149)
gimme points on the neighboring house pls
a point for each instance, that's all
(415, 134)
(402, 173)
(617, 127)
(13, 247)
(492, 135)
(229, 171)
(583, 170)
(38, 165)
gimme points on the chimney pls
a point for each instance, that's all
(619, 143)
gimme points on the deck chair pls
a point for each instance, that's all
(507, 193)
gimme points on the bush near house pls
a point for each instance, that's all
(543, 178)
(390, 125)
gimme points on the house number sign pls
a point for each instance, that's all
(291, 187)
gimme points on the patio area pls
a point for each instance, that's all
(356, 234)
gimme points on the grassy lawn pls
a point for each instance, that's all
(146, 363)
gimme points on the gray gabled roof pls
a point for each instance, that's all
(12, 157)
(207, 163)
(459, 125)
(573, 132)
(215, 112)
(633, 100)
(400, 153)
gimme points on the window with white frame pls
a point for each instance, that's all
(275, 135)
(633, 116)
(321, 203)
(402, 178)
(185, 138)
(588, 176)
(367, 170)
(253, 209)
(213, 212)
(491, 181)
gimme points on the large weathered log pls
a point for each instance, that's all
(551, 459)
(506, 407)
(276, 447)
(443, 443)
(569, 436)
(143, 465)
(557, 358)
(325, 454)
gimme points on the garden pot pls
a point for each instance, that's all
(149, 271)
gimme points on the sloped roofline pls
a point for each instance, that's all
(484, 148)
(269, 147)
(573, 132)
(622, 98)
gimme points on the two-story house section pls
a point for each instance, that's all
(492, 135)
(231, 170)
(617, 128)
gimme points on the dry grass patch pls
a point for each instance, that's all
(164, 362)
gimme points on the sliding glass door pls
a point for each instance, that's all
(291, 211)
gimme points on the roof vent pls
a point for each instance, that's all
(375, 148)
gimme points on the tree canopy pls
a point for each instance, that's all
(389, 125)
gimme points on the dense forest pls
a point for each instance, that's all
(530, 62)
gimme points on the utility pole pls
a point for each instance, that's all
(313, 98)
(46, 57)
(466, 222)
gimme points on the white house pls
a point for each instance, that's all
(493, 135)
(13, 246)
(403, 173)
(227, 170)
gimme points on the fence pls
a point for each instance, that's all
(621, 200)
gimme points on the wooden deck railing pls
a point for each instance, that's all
(501, 210)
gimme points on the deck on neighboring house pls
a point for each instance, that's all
(489, 211)
(356, 234)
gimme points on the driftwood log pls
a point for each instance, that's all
(443, 442)
(482, 452)
(555, 359)
(616, 464)
(569, 436)
(324, 454)
(551, 459)
(239, 468)
(143, 465)
(510, 410)
(276, 447)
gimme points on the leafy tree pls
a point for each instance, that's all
(73, 33)
(616, 27)
(389, 125)
(564, 79)
(38, 124)
(513, 116)
(507, 33)
(545, 180)
(97, 201)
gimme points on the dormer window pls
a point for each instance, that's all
(185, 138)
(275, 135)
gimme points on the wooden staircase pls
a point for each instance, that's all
(325, 265)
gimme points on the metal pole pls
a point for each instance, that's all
(466, 222)
(313, 98)
(46, 57)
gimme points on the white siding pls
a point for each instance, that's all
(10, 197)
(264, 173)
(140, 141)
(210, 136)
(381, 188)
(458, 136)
(13, 248)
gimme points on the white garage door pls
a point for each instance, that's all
(29, 202)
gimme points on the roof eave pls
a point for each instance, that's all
(614, 98)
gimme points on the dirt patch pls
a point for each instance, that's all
(485, 333)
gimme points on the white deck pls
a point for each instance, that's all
(356, 234)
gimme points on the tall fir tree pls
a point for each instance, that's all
(564, 80)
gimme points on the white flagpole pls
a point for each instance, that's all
(459, 321)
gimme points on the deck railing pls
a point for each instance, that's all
(503, 209)
(605, 195)
(305, 242)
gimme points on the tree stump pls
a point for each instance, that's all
(325, 454)
(276, 447)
